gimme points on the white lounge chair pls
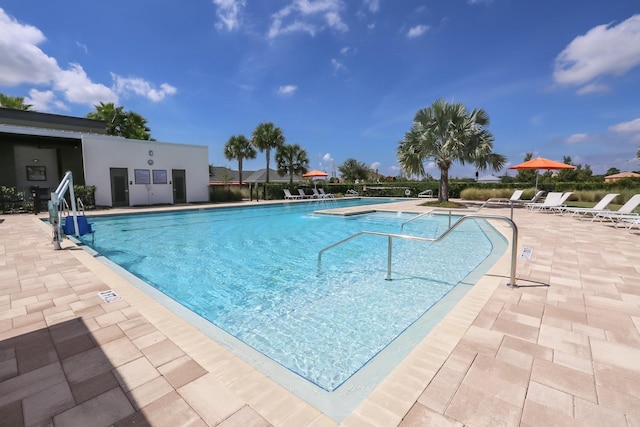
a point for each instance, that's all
(629, 223)
(560, 205)
(514, 198)
(303, 194)
(599, 207)
(552, 199)
(625, 211)
(326, 195)
(352, 193)
(289, 196)
(426, 194)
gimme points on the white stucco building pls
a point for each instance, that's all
(37, 149)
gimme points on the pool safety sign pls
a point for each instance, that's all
(526, 253)
(109, 296)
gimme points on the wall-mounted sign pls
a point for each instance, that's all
(159, 176)
(143, 176)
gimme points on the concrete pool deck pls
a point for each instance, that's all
(561, 349)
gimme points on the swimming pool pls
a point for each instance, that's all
(253, 272)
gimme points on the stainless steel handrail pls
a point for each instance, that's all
(511, 203)
(391, 236)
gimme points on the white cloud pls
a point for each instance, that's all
(417, 31)
(337, 65)
(372, 5)
(287, 90)
(141, 87)
(327, 158)
(308, 16)
(603, 50)
(44, 101)
(593, 88)
(83, 46)
(375, 165)
(578, 137)
(23, 62)
(627, 127)
(480, 1)
(228, 13)
(78, 88)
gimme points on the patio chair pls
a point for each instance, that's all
(629, 223)
(560, 204)
(288, 195)
(552, 199)
(514, 198)
(599, 207)
(352, 193)
(323, 194)
(303, 194)
(626, 211)
(426, 194)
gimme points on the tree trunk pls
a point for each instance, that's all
(443, 194)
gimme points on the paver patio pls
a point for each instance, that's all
(561, 349)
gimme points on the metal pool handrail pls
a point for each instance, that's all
(391, 236)
(450, 210)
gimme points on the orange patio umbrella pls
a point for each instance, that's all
(542, 163)
(315, 174)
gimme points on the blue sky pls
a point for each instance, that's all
(343, 79)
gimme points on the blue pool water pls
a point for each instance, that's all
(254, 273)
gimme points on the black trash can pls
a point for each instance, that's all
(39, 196)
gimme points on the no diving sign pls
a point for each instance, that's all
(109, 296)
(526, 253)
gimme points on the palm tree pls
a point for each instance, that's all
(352, 170)
(292, 159)
(127, 124)
(265, 137)
(240, 148)
(14, 102)
(446, 133)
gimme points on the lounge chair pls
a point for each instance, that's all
(352, 193)
(599, 207)
(625, 211)
(560, 204)
(289, 196)
(426, 194)
(323, 194)
(326, 195)
(303, 194)
(515, 197)
(552, 199)
(629, 223)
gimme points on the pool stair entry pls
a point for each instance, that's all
(391, 236)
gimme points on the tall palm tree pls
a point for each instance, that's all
(265, 137)
(292, 159)
(446, 133)
(240, 148)
(14, 102)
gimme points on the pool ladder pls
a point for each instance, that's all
(391, 236)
